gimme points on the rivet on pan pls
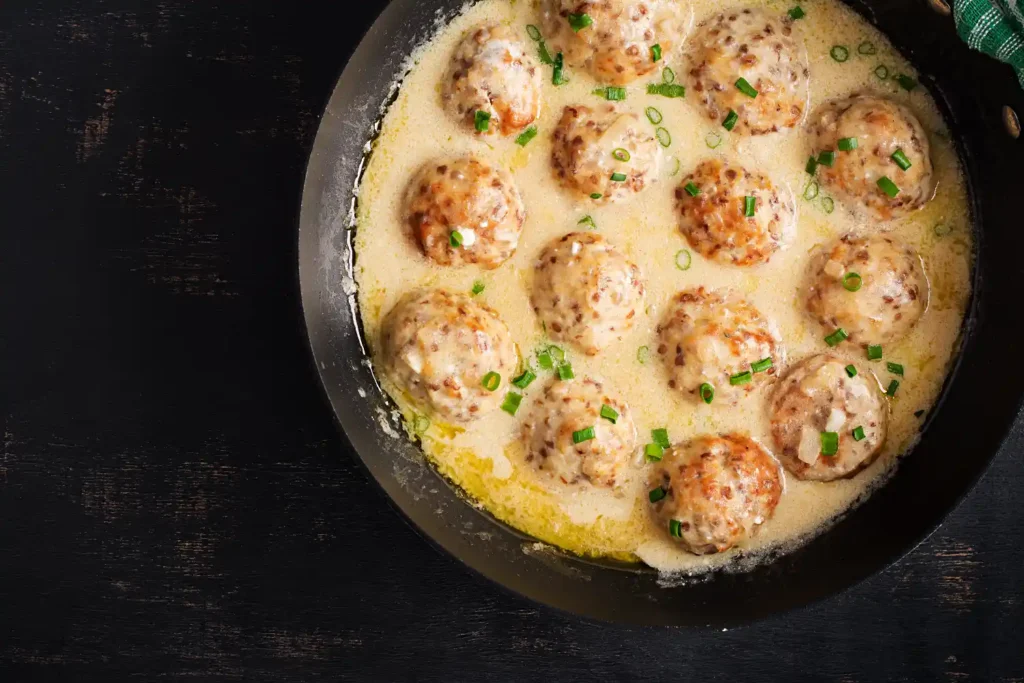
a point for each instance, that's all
(1011, 122)
(940, 6)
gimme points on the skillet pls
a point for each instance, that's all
(959, 437)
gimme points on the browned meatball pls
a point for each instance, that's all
(892, 294)
(817, 396)
(715, 492)
(881, 128)
(586, 292)
(468, 196)
(712, 206)
(759, 47)
(491, 72)
(604, 153)
(570, 408)
(439, 346)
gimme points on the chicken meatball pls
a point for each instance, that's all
(616, 47)
(463, 210)
(890, 144)
(713, 337)
(492, 73)
(760, 48)
(604, 153)
(586, 292)
(439, 347)
(715, 492)
(820, 397)
(569, 441)
(719, 220)
(875, 288)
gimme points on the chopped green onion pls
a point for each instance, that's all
(653, 115)
(707, 393)
(851, 370)
(874, 353)
(675, 528)
(455, 239)
(618, 177)
(828, 204)
(829, 443)
(583, 435)
(654, 452)
(675, 171)
(941, 229)
(565, 372)
(858, 434)
(643, 354)
(901, 159)
(420, 424)
(660, 437)
(511, 403)
(533, 32)
(545, 56)
(668, 75)
(524, 138)
(713, 140)
(656, 494)
(683, 259)
(588, 221)
(836, 337)
(556, 353)
(888, 186)
(620, 154)
(609, 413)
(730, 120)
(906, 82)
(812, 166)
(741, 378)
(744, 87)
(545, 361)
(578, 22)
(811, 191)
(666, 90)
(478, 287)
(611, 93)
(664, 137)
(882, 72)
(491, 381)
(524, 380)
(847, 144)
(558, 75)
(840, 53)
(827, 158)
(895, 368)
(691, 189)
(656, 52)
(893, 386)
(596, 195)
(866, 48)
(797, 13)
(762, 365)
(749, 206)
(482, 121)
(852, 282)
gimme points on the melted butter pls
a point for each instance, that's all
(485, 459)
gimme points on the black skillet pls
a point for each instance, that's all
(959, 438)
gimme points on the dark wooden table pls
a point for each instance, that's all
(174, 499)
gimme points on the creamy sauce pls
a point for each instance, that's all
(486, 458)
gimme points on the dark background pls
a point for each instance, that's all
(175, 501)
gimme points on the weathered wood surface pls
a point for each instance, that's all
(174, 499)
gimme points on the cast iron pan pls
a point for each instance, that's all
(979, 405)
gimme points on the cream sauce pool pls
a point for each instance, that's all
(485, 458)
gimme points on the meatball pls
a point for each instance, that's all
(715, 337)
(491, 72)
(819, 396)
(616, 47)
(468, 196)
(439, 346)
(760, 48)
(712, 203)
(563, 416)
(604, 152)
(882, 129)
(586, 292)
(890, 288)
(715, 491)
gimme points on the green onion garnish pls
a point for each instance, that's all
(858, 434)
(478, 287)
(713, 140)
(749, 206)
(620, 154)
(653, 115)
(511, 403)
(643, 354)
(840, 53)
(455, 239)
(741, 378)
(588, 221)
(827, 158)
(565, 372)
(762, 365)
(675, 528)
(558, 75)
(829, 443)
(797, 13)
(836, 337)
(491, 381)
(654, 452)
(847, 144)
(906, 82)
(656, 494)
(578, 22)
(545, 56)
(609, 413)
(901, 159)
(874, 353)
(524, 380)
(583, 435)
(660, 437)
(420, 424)
(882, 72)
(666, 90)
(812, 165)
(618, 177)
(730, 120)
(524, 138)
(866, 48)
(545, 361)
(811, 191)
(683, 259)
(691, 189)
(895, 368)
(533, 32)
(482, 121)
(888, 186)
(664, 137)
(893, 386)
(828, 204)
(852, 282)
(675, 170)
(707, 393)
(851, 371)
(556, 353)
(596, 195)
(611, 93)
(656, 53)
(668, 75)
(744, 87)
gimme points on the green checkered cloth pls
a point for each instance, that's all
(995, 27)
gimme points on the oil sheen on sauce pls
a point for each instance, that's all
(485, 458)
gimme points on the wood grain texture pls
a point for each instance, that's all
(175, 500)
